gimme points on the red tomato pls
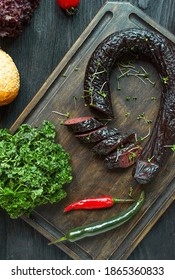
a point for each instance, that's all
(68, 4)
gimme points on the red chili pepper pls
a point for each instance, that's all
(95, 203)
(69, 5)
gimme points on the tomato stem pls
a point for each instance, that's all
(71, 11)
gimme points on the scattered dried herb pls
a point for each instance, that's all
(129, 69)
(165, 80)
(143, 117)
(99, 70)
(66, 115)
(172, 147)
(127, 114)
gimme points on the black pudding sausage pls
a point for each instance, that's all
(161, 53)
(97, 135)
(83, 124)
(124, 157)
(111, 143)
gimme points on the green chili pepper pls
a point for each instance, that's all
(104, 225)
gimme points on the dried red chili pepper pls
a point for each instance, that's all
(95, 203)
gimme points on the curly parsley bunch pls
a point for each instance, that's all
(33, 169)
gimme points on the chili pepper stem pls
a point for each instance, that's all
(58, 240)
(120, 200)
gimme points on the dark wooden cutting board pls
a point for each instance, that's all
(90, 177)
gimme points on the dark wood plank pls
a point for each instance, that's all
(122, 15)
(39, 33)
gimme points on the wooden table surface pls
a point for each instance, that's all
(36, 53)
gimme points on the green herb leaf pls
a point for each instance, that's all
(173, 148)
(127, 114)
(165, 80)
(33, 169)
(130, 192)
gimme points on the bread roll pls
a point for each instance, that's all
(9, 79)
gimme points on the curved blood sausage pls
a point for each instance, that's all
(83, 124)
(111, 143)
(97, 135)
(123, 158)
(161, 53)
